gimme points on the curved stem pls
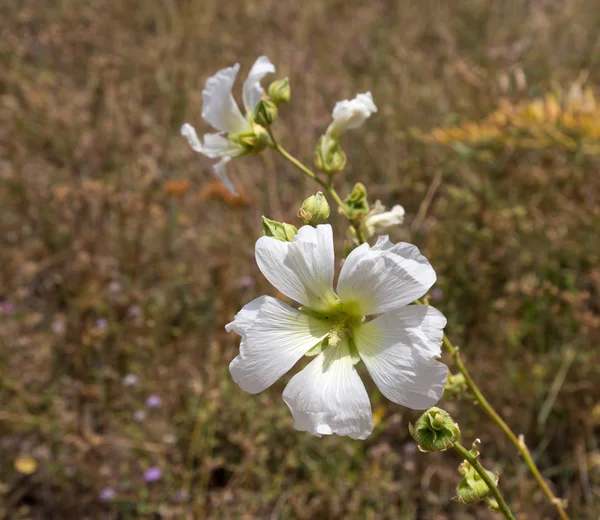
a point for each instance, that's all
(309, 173)
(518, 442)
(474, 461)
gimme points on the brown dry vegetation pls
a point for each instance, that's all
(105, 214)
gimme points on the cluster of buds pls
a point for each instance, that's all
(265, 112)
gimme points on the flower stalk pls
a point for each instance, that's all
(517, 442)
(485, 476)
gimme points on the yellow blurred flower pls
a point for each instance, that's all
(26, 465)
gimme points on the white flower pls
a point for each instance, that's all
(220, 110)
(378, 219)
(399, 347)
(349, 114)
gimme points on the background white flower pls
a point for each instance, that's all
(220, 110)
(349, 114)
(378, 219)
(399, 347)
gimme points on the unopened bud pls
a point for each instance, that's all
(472, 488)
(329, 156)
(356, 203)
(435, 430)
(455, 386)
(265, 112)
(279, 230)
(315, 210)
(254, 141)
(280, 91)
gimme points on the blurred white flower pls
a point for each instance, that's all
(378, 219)
(399, 347)
(220, 110)
(349, 114)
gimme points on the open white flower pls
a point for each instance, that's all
(349, 114)
(220, 110)
(378, 219)
(399, 347)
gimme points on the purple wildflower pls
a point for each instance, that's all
(107, 495)
(246, 282)
(153, 474)
(101, 323)
(437, 294)
(7, 308)
(154, 401)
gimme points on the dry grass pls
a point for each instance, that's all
(119, 257)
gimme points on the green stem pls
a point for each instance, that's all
(474, 461)
(518, 442)
(326, 185)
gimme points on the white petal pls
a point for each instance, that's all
(217, 145)
(218, 107)
(246, 317)
(349, 114)
(221, 173)
(329, 397)
(378, 219)
(189, 132)
(384, 277)
(252, 88)
(303, 269)
(399, 350)
(274, 337)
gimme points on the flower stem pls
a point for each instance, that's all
(518, 442)
(474, 461)
(326, 185)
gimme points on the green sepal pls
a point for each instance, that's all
(318, 348)
(435, 430)
(279, 230)
(356, 203)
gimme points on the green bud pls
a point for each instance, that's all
(435, 430)
(254, 141)
(265, 112)
(472, 488)
(279, 230)
(280, 91)
(455, 386)
(329, 156)
(315, 210)
(492, 503)
(356, 203)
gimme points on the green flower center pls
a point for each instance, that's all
(342, 319)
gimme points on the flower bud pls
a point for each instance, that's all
(356, 203)
(280, 91)
(265, 112)
(472, 488)
(329, 156)
(315, 210)
(279, 230)
(435, 430)
(492, 503)
(455, 386)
